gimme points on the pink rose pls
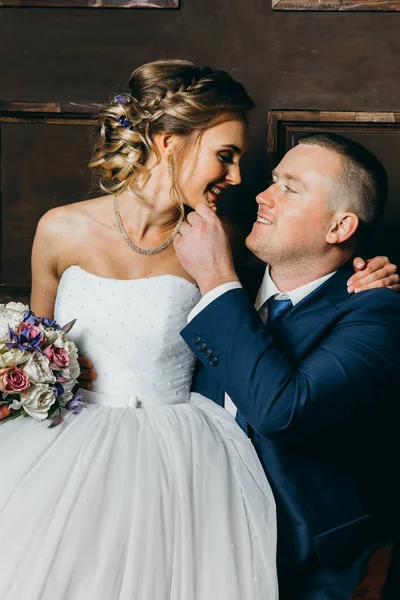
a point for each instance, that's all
(31, 331)
(58, 357)
(13, 379)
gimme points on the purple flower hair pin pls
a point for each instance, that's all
(122, 99)
(124, 122)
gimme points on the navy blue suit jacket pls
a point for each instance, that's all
(322, 400)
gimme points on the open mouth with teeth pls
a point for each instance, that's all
(214, 191)
(265, 221)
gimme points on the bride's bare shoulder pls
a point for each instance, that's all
(73, 219)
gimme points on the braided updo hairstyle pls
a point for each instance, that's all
(166, 96)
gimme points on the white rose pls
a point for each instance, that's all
(71, 373)
(16, 306)
(11, 314)
(36, 401)
(74, 368)
(12, 357)
(52, 336)
(38, 369)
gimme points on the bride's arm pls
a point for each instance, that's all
(45, 277)
(47, 251)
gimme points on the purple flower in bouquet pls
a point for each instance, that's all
(31, 331)
(76, 403)
(58, 389)
(24, 341)
(31, 319)
(50, 323)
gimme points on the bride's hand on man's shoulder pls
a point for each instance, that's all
(373, 273)
(87, 374)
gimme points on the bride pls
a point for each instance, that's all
(151, 493)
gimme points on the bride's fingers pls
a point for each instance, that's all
(380, 278)
(84, 362)
(87, 375)
(391, 282)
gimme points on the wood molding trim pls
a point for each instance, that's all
(337, 5)
(146, 4)
(282, 124)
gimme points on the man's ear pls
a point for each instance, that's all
(343, 227)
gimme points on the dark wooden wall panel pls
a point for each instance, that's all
(302, 60)
(323, 61)
(44, 154)
(57, 175)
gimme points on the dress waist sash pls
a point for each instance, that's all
(132, 401)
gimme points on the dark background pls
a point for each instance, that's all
(287, 60)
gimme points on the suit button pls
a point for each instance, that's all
(202, 346)
(214, 361)
(196, 339)
(208, 353)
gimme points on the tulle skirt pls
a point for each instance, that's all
(155, 503)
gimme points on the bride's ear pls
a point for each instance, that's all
(164, 143)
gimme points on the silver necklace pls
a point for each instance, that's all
(129, 241)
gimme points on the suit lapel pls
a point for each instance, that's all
(300, 328)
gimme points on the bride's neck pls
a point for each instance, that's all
(146, 211)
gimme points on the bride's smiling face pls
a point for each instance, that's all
(212, 163)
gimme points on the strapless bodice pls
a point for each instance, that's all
(130, 331)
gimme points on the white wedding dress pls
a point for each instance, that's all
(151, 493)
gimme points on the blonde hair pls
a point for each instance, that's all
(166, 96)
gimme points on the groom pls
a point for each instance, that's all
(312, 370)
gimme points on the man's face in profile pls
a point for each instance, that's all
(295, 211)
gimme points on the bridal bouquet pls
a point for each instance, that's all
(38, 366)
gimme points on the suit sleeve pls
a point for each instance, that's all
(352, 368)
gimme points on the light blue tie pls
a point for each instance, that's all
(276, 310)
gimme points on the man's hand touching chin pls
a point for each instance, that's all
(204, 251)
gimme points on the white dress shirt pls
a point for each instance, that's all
(266, 291)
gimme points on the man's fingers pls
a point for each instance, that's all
(206, 212)
(86, 385)
(184, 228)
(84, 362)
(88, 375)
(193, 218)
